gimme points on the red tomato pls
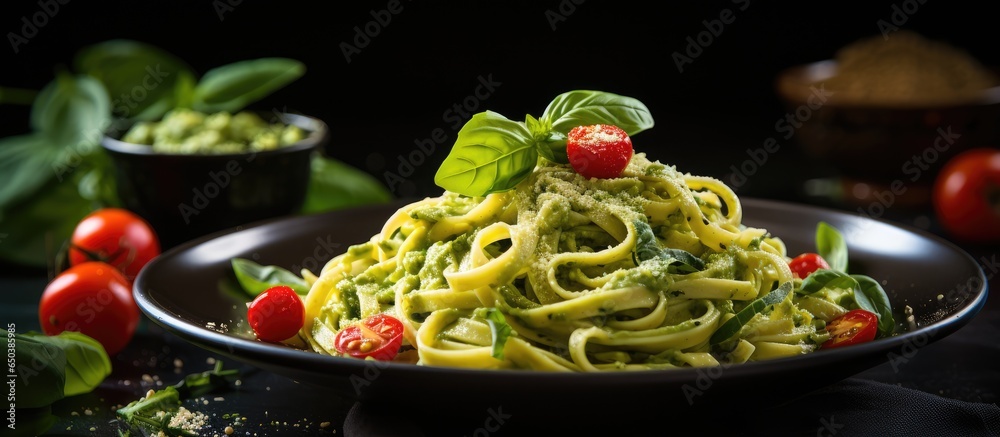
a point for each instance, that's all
(807, 263)
(855, 326)
(277, 314)
(378, 336)
(967, 196)
(598, 150)
(116, 236)
(93, 298)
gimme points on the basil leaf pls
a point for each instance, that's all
(143, 81)
(233, 86)
(87, 363)
(491, 154)
(71, 111)
(584, 107)
(732, 326)
(499, 329)
(25, 165)
(827, 278)
(34, 229)
(255, 278)
(831, 246)
(38, 385)
(877, 301)
(647, 248)
(335, 185)
(553, 147)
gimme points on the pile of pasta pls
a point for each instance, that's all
(635, 272)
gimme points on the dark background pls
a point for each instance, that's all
(430, 55)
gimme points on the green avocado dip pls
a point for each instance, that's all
(186, 131)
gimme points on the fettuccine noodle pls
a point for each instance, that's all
(635, 272)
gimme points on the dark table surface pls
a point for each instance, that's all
(949, 387)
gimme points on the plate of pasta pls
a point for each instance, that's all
(559, 261)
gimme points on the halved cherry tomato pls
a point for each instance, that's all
(277, 314)
(116, 236)
(378, 336)
(855, 326)
(805, 264)
(94, 299)
(598, 150)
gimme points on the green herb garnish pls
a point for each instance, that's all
(493, 154)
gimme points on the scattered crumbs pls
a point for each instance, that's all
(127, 382)
(159, 383)
(69, 428)
(238, 382)
(178, 363)
(229, 430)
(187, 420)
(940, 297)
(268, 388)
(324, 424)
(204, 402)
(93, 429)
(210, 360)
(908, 310)
(88, 412)
(219, 399)
(147, 378)
(149, 393)
(74, 414)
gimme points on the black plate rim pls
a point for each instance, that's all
(271, 356)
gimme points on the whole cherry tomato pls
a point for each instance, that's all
(116, 236)
(378, 336)
(853, 327)
(277, 314)
(967, 196)
(93, 298)
(598, 150)
(803, 265)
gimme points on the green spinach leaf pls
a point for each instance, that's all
(233, 86)
(143, 81)
(255, 278)
(499, 329)
(732, 326)
(877, 301)
(831, 246)
(71, 111)
(87, 363)
(335, 185)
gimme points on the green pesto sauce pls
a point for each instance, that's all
(191, 132)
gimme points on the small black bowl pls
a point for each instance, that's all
(184, 196)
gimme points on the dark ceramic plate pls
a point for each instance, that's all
(188, 291)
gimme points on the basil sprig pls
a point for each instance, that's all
(493, 154)
(868, 294)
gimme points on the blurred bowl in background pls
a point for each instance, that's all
(895, 116)
(184, 196)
